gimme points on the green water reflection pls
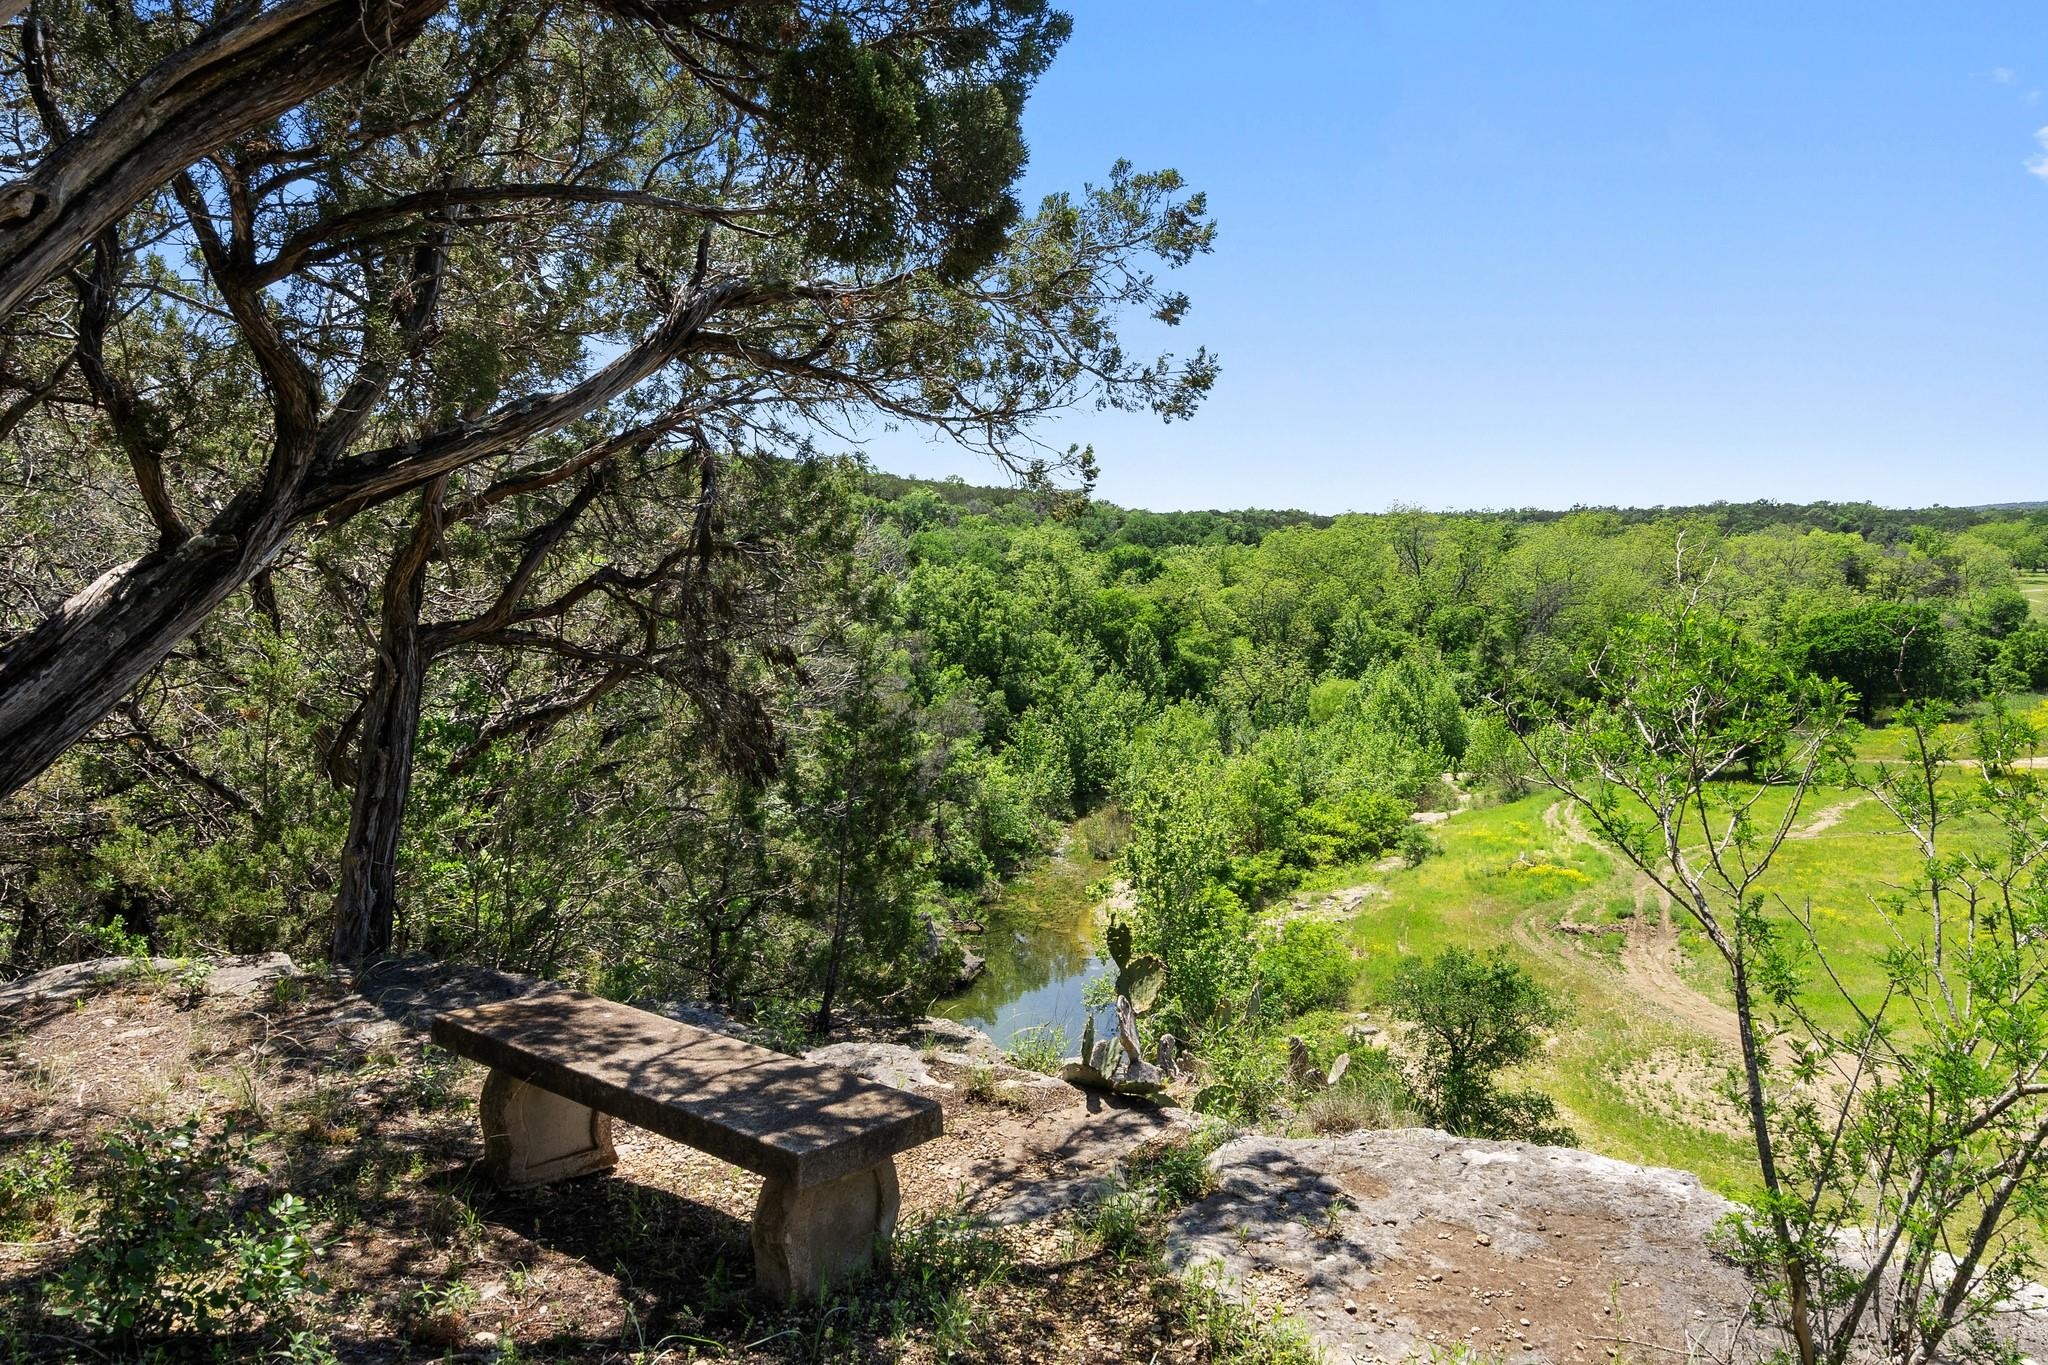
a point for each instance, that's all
(1040, 940)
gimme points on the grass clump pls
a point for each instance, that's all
(937, 1266)
(1235, 1334)
(1371, 1096)
(1041, 1048)
(1179, 1171)
(35, 1192)
(1128, 1220)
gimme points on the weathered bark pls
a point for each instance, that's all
(239, 75)
(366, 903)
(63, 677)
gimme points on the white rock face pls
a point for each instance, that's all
(1389, 1245)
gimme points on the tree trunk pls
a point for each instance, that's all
(1799, 1301)
(366, 905)
(62, 678)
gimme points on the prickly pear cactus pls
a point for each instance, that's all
(1118, 938)
(1140, 980)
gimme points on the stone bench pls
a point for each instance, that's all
(564, 1064)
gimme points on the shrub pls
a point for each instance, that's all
(1330, 698)
(936, 1264)
(1371, 1095)
(1475, 1016)
(1179, 1170)
(1259, 877)
(1415, 697)
(167, 1249)
(1494, 757)
(1123, 1221)
(1245, 1073)
(1306, 967)
(1360, 824)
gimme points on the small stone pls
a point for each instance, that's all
(1350, 1306)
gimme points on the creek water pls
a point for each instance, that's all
(1040, 939)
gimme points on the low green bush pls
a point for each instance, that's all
(1306, 967)
(35, 1190)
(169, 1247)
(1245, 1073)
(1372, 1095)
(1475, 1016)
(1359, 824)
(936, 1266)
(1179, 1170)
(1124, 1221)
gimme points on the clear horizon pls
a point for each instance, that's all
(1496, 257)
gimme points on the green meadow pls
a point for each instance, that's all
(1641, 1066)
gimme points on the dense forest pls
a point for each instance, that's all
(919, 684)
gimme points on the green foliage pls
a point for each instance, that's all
(1179, 1170)
(1244, 1076)
(35, 1191)
(1372, 1094)
(1883, 651)
(1358, 825)
(1331, 698)
(936, 1265)
(1232, 1333)
(1908, 1127)
(1416, 698)
(1494, 757)
(171, 1246)
(1041, 1048)
(1306, 966)
(1471, 1018)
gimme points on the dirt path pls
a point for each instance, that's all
(1650, 953)
(1827, 819)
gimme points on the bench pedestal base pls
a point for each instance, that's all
(806, 1241)
(533, 1136)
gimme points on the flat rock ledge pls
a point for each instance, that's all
(231, 977)
(1407, 1243)
(1391, 1244)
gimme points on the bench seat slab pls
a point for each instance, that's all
(564, 1063)
(786, 1118)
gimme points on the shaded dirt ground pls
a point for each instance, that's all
(377, 1130)
(1385, 1246)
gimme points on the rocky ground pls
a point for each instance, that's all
(1377, 1246)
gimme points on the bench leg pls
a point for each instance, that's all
(533, 1136)
(806, 1241)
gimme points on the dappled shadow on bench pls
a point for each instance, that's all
(760, 1110)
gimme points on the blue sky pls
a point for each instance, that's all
(1486, 255)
